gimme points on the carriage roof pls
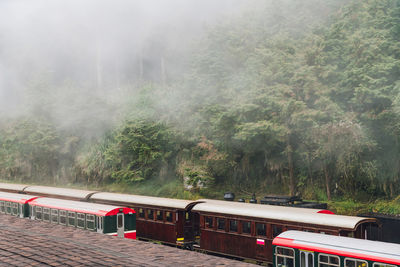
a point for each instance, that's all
(143, 200)
(14, 197)
(55, 191)
(12, 187)
(290, 214)
(79, 206)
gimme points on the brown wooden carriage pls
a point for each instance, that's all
(246, 230)
(164, 219)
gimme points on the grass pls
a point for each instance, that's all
(351, 207)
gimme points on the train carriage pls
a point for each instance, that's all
(12, 188)
(163, 219)
(15, 204)
(106, 219)
(247, 230)
(302, 249)
(241, 230)
(56, 192)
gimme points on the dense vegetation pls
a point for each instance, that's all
(267, 102)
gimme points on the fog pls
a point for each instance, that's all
(57, 56)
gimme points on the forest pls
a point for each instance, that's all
(285, 97)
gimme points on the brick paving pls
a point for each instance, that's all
(24, 242)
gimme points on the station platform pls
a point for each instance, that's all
(24, 242)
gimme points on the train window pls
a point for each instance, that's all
(39, 213)
(90, 221)
(380, 264)
(246, 227)
(33, 212)
(233, 226)
(326, 260)
(284, 257)
(14, 208)
(46, 214)
(261, 229)
(209, 222)
(80, 219)
(141, 213)
(159, 215)
(150, 214)
(2, 207)
(71, 218)
(220, 224)
(63, 217)
(8, 207)
(276, 230)
(168, 216)
(349, 262)
(54, 216)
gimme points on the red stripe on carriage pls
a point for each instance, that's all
(116, 211)
(286, 242)
(131, 235)
(325, 212)
(22, 200)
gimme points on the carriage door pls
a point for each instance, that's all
(120, 224)
(99, 224)
(306, 259)
(188, 228)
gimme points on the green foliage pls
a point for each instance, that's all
(29, 150)
(388, 207)
(153, 187)
(269, 103)
(139, 149)
(348, 207)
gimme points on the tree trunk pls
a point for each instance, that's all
(99, 75)
(117, 74)
(391, 187)
(246, 167)
(141, 71)
(327, 182)
(309, 169)
(291, 168)
(163, 171)
(163, 74)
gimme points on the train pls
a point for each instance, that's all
(105, 219)
(239, 230)
(302, 249)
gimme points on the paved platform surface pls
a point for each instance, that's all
(24, 242)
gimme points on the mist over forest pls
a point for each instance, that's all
(193, 98)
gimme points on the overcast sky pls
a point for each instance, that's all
(61, 40)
